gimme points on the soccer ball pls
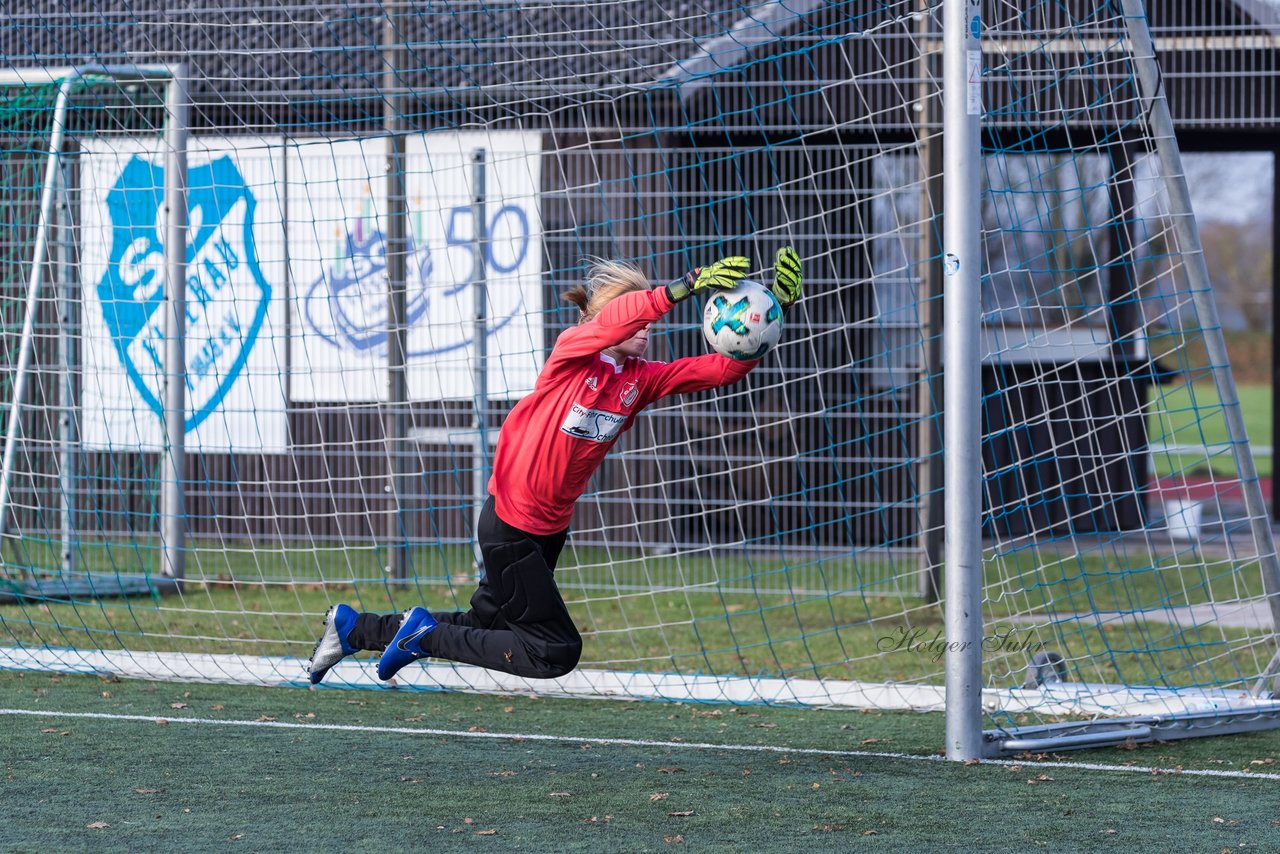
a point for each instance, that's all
(743, 323)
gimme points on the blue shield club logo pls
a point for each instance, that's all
(226, 294)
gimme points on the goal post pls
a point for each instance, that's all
(1255, 707)
(961, 337)
(55, 200)
(306, 273)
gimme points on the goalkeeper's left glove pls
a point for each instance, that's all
(725, 273)
(787, 280)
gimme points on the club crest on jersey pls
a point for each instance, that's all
(629, 393)
(226, 294)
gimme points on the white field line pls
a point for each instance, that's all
(635, 742)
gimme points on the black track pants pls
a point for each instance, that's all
(518, 622)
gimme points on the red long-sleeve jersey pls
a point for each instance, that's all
(556, 437)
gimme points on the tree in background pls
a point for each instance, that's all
(1239, 256)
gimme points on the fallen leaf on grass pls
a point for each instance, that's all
(658, 796)
(265, 718)
(828, 828)
(1040, 778)
(671, 769)
(178, 705)
(147, 791)
(674, 840)
(557, 794)
(487, 833)
(97, 825)
(680, 813)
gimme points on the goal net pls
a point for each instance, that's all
(384, 204)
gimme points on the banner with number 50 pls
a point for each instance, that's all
(337, 225)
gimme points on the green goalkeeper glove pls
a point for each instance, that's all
(725, 273)
(787, 280)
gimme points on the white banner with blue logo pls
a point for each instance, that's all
(235, 315)
(337, 222)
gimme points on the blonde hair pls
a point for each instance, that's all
(606, 281)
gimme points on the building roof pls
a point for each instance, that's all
(291, 63)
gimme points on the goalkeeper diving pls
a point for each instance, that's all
(593, 385)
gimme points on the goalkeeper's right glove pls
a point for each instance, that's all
(788, 283)
(725, 273)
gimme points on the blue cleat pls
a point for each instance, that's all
(333, 645)
(406, 646)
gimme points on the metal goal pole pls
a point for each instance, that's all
(396, 418)
(961, 333)
(173, 520)
(480, 458)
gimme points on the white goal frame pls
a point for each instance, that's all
(177, 104)
(1200, 713)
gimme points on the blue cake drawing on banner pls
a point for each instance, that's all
(346, 305)
(226, 296)
(352, 293)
